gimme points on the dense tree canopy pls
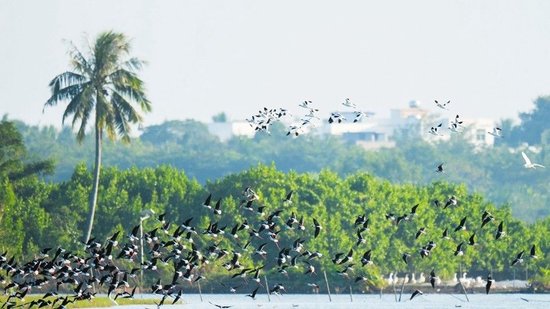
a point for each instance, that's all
(496, 172)
(53, 214)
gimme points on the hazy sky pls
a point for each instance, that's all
(491, 58)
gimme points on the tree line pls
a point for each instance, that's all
(496, 172)
(38, 214)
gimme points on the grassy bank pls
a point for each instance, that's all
(101, 301)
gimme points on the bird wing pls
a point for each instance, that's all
(525, 158)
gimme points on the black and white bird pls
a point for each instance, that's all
(405, 257)
(452, 201)
(359, 115)
(455, 124)
(533, 252)
(445, 234)
(472, 240)
(348, 103)
(490, 281)
(421, 231)
(416, 292)
(459, 250)
(435, 130)
(336, 117)
(496, 132)
(207, 202)
(306, 104)
(433, 278)
(500, 231)
(518, 259)
(253, 294)
(288, 198)
(486, 218)
(318, 227)
(442, 105)
(366, 259)
(462, 225)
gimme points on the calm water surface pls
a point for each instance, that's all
(362, 301)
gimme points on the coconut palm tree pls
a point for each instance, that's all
(102, 88)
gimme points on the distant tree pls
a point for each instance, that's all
(221, 117)
(102, 87)
(533, 124)
(14, 164)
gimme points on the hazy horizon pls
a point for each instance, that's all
(488, 57)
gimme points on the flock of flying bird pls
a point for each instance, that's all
(265, 117)
(113, 264)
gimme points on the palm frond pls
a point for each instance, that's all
(79, 61)
(131, 87)
(133, 64)
(79, 103)
(66, 79)
(125, 108)
(63, 94)
(120, 120)
(84, 115)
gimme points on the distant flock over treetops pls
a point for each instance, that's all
(288, 227)
(262, 121)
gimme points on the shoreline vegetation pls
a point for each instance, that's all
(315, 222)
(97, 302)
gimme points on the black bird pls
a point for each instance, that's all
(405, 257)
(253, 294)
(288, 198)
(490, 281)
(44, 252)
(217, 209)
(416, 292)
(421, 231)
(440, 168)
(348, 257)
(452, 201)
(318, 227)
(486, 217)
(500, 231)
(360, 239)
(471, 240)
(413, 209)
(445, 234)
(533, 253)
(437, 203)
(366, 259)
(432, 278)
(461, 225)
(459, 250)
(207, 202)
(161, 218)
(401, 218)
(178, 296)
(220, 306)
(518, 259)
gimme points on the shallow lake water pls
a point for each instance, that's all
(321, 301)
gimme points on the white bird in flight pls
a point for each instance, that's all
(528, 163)
(349, 104)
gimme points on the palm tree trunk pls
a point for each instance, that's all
(97, 167)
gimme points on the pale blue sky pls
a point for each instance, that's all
(491, 58)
